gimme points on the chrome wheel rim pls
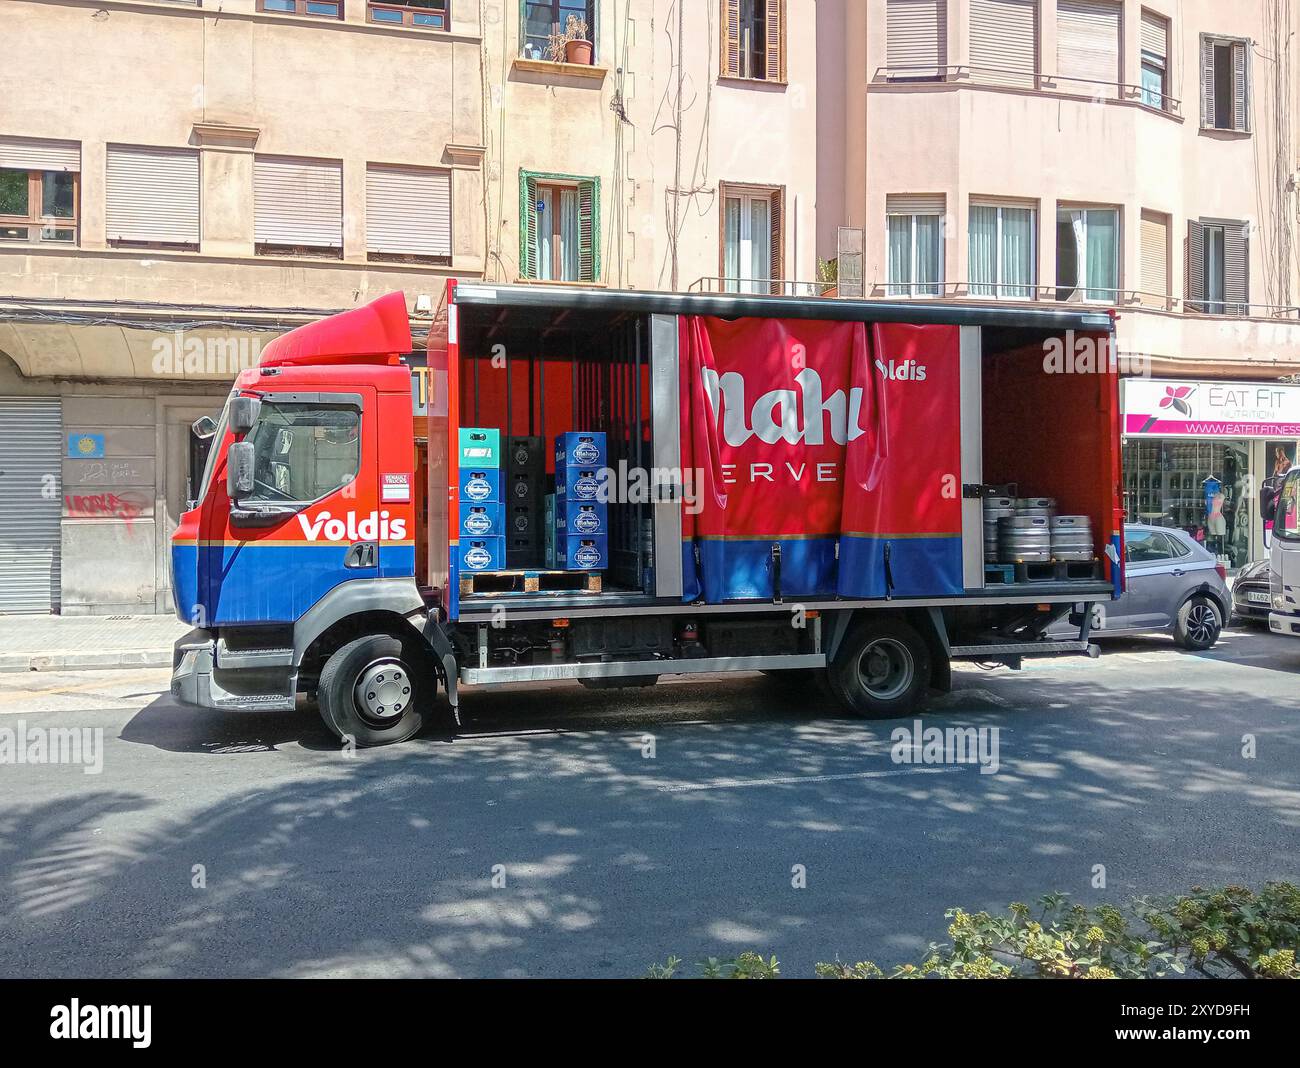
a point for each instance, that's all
(383, 691)
(885, 668)
(1202, 623)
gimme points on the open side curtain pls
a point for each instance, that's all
(809, 471)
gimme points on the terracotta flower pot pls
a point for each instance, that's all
(578, 52)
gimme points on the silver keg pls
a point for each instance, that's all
(1025, 538)
(1072, 538)
(995, 508)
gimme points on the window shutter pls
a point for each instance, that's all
(152, 195)
(1207, 83)
(775, 27)
(528, 215)
(914, 204)
(730, 65)
(1004, 34)
(917, 38)
(1155, 260)
(588, 255)
(1195, 266)
(1155, 35)
(408, 211)
(1236, 268)
(850, 243)
(776, 216)
(298, 202)
(1087, 40)
(1240, 99)
(39, 154)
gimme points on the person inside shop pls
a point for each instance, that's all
(1270, 488)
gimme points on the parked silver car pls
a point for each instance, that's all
(1175, 585)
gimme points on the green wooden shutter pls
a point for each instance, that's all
(588, 231)
(528, 226)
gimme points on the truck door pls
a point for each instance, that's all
(314, 519)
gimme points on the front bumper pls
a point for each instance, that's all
(1284, 623)
(206, 675)
(1247, 609)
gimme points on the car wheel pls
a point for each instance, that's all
(1199, 623)
(882, 670)
(376, 691)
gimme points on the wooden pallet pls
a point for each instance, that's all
(1075, 570)
(529, 581)
(1036, 572)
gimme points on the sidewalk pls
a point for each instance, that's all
(54, 643)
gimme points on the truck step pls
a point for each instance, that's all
(529, 581)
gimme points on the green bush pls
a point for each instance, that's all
(1219, 933)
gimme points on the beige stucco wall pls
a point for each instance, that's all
(232, 81)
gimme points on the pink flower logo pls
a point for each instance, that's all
(1176, 398)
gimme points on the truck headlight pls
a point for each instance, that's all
(1278, 602)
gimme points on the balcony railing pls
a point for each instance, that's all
(1016, 78)
(1135, 300)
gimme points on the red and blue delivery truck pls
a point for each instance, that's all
(861, 492)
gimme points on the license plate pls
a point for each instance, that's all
(1257, 598)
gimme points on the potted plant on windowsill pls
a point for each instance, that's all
(572, 44)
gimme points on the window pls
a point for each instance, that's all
(1225, 92)
(1003, 250)
(560, 230)
(1087, 254)
(1004, 42)
(753, 40)
(544, 19)
(1148, 547)
(297, 206)
(917, 39)
(152, 197)
(408, 214)
(753, 253)
(1155, 61)
(1286, 521)
(303, 452)
(329, 9)
(428, 14)
(1218, 267)
(914, 230)
(39, 190)
(1087, 44)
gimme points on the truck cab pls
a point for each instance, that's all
(1284, 559)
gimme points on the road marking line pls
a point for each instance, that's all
(733, 784)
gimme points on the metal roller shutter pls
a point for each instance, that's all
(1004, 42)
(31, 433)
(153, 195)
(1087, 40)
(298, 202)
(408, 211)
(1155, 260)
(917, 38)
(914, 204)
(39, 154)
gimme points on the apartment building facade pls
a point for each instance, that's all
(1135, 154)
(180, 181)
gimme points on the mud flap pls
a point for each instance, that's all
(441, 645)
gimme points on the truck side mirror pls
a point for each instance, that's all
(239, 470)
(1268, 508)
(243, 414)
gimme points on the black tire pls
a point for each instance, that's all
(1199, 623)
(400, 676)
(882, 670)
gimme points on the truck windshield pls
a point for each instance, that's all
(303, 452)
(1286, 523)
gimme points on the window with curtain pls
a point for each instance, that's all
(1087, 254)
(1155, 60)
(1003, 251)
(914, 232)
(748, 244)
(559, 222)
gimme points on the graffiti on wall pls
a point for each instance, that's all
(127, 505)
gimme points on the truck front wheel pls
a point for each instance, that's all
(375, 691)
(882, 669)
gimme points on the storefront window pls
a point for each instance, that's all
(1201, 487)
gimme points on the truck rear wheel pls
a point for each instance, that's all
(882, 669)
(376, 691)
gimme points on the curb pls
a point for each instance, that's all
(15, 662)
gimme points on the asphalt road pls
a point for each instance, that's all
(216, 844)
